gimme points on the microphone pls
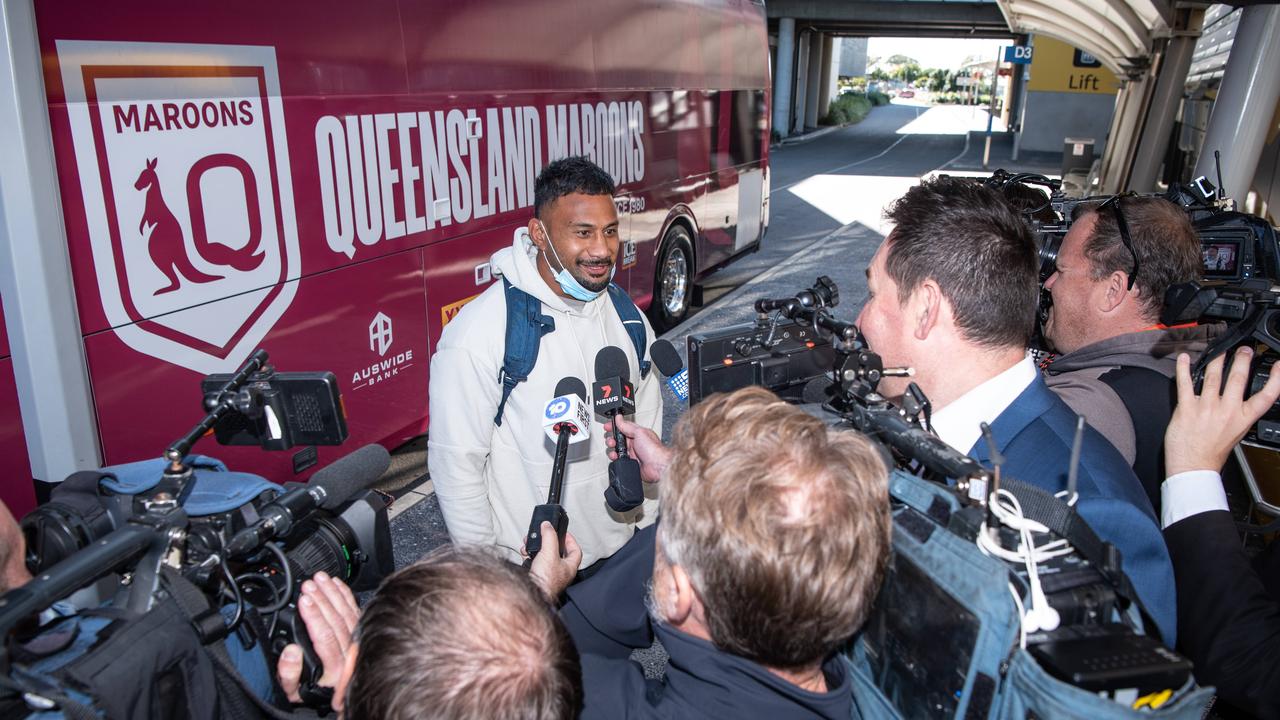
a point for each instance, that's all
(613, 396)
(568, 410)
(665, 357)
(566, 419)
(329, 488)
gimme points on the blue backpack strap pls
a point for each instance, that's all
(630, 316)
(525, 327)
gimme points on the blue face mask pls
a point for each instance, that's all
(569, 283)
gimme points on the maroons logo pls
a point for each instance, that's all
(185, 176)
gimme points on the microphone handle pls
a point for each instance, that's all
(557, 466)
(619, 439)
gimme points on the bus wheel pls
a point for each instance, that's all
(673, 279)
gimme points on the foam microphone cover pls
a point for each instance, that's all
(626, 489)
(351, 474)
(571, 386)
(611, 361)
(665, 357)
(818, 390)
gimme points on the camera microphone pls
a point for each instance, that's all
(329, 488)
(613, 396)
(567, 420)
(668, 362)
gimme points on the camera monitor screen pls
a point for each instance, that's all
(1221, 259)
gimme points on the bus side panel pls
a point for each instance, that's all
(16, 488)
(339, 51)
(457, 271)
(365, 322)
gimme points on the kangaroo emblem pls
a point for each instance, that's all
(164, 236)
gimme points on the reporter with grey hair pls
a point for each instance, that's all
(768, 554)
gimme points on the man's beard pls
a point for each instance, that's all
(651, 604)
(588, 283)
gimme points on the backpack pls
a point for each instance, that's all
(526, 324)
(943, 639)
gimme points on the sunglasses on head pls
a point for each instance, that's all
(1113, 202)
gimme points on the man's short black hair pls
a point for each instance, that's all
(570, 175)
(977, 248)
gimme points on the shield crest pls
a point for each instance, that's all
(184, 170)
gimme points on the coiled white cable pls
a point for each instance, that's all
(1007, 510)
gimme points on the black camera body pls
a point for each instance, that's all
(242, 542)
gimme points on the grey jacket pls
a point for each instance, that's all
(1075, 376)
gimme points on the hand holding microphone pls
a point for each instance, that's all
(643, 444)
(567, 420)
(613, 396)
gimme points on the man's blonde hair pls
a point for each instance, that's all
(781, 524)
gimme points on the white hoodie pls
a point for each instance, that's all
(488, 478)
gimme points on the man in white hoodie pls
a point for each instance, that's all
(488, 475)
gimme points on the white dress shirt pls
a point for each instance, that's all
(959, 423)
(1190, 493)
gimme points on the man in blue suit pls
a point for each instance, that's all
(953, 294)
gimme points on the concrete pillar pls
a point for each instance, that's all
(1160, 115)
(833, 83)
(826, 84)
(813, 86)
(1246, 101)
(784, 76)
(41, 316)
(802, 81)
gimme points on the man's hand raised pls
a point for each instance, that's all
(330, 612)
(1205, 427)
(643, 444)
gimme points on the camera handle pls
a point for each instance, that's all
(218, 405)
(1256, 325)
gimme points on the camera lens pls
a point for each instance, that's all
(55, 531)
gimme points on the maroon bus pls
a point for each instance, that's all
(328, 180)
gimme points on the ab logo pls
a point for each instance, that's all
(184, 170)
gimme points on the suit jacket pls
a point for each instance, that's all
(1035, 434)
(1228, 625)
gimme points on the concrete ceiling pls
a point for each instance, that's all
(1119, 33)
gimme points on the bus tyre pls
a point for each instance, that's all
(673, 280)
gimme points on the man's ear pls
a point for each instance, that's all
(536, 235)
(673, 593)
(925, 308)
(1115, 290)
(344, 680)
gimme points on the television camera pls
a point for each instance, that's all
(244, 543)
(1080, 610)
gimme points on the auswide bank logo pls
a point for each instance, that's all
(388, 365)
(380, 334)
(185, 176)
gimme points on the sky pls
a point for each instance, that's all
(946, 53)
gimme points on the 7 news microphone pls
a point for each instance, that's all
(613, 396)
(567, 420)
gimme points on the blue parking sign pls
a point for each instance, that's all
(1017, 54)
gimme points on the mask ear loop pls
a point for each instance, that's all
(547, 236)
